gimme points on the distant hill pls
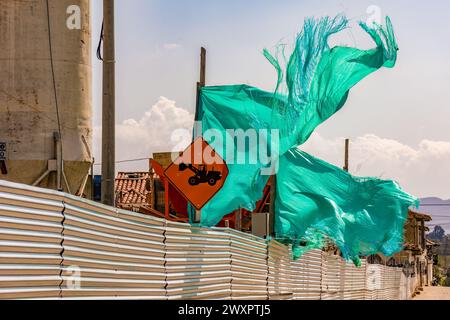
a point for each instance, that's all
(440, 211)
(434, 200)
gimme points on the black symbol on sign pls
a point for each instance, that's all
(201, 175)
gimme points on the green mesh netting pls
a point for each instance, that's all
(313, 85)
(316, 201)
(316, 79)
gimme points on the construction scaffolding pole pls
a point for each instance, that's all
(108, 116)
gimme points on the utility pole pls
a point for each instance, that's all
(347, 153)
(200, 84)
(202, 67)
(108, 116)
(197, 128)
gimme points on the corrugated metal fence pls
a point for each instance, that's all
(54, 246)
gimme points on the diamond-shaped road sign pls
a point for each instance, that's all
(198, 174)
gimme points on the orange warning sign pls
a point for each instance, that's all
(198, 174)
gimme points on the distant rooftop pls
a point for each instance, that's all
(419, 215)
(133, 189)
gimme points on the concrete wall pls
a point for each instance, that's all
(27, 96)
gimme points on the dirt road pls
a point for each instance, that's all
(434, 293)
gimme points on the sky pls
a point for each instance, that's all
(397, 119)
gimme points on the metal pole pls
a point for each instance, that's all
(92, 179)
(347, 153)
(108, 117)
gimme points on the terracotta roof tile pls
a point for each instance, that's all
(419, 215)
(132, 188)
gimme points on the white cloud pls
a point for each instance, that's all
(423, 170)
(171, 46)
(139, 138)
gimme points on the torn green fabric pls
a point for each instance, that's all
(235, 107)
(316, 79)
(317, 201)
(312, 87)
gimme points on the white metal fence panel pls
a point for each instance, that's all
(30, 242)
(353, 280)
(385, 283)
(54, 246)
(392, 283)
(111, 254)
(375, 282)
(306, 276)
(342, 280)
(248, 267)
(280, 279)
(331, 277)
(198, 262)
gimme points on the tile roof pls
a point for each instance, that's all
(133, 188)
(419, 215)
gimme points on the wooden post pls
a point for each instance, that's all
(152, 184)
(238, 220)
(202, 67)
(422, 233)
(202, 81)
(347, 153)
(197, 130)
(108, 112)
(273, 195)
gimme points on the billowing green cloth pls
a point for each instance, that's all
(316, 79)
(314, 86)
(317, 201)
(314, 199)
(235, 107)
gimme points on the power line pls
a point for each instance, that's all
(440, 216)
(125, 161)
(99, 48)
(53, 74)
(435, 205)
